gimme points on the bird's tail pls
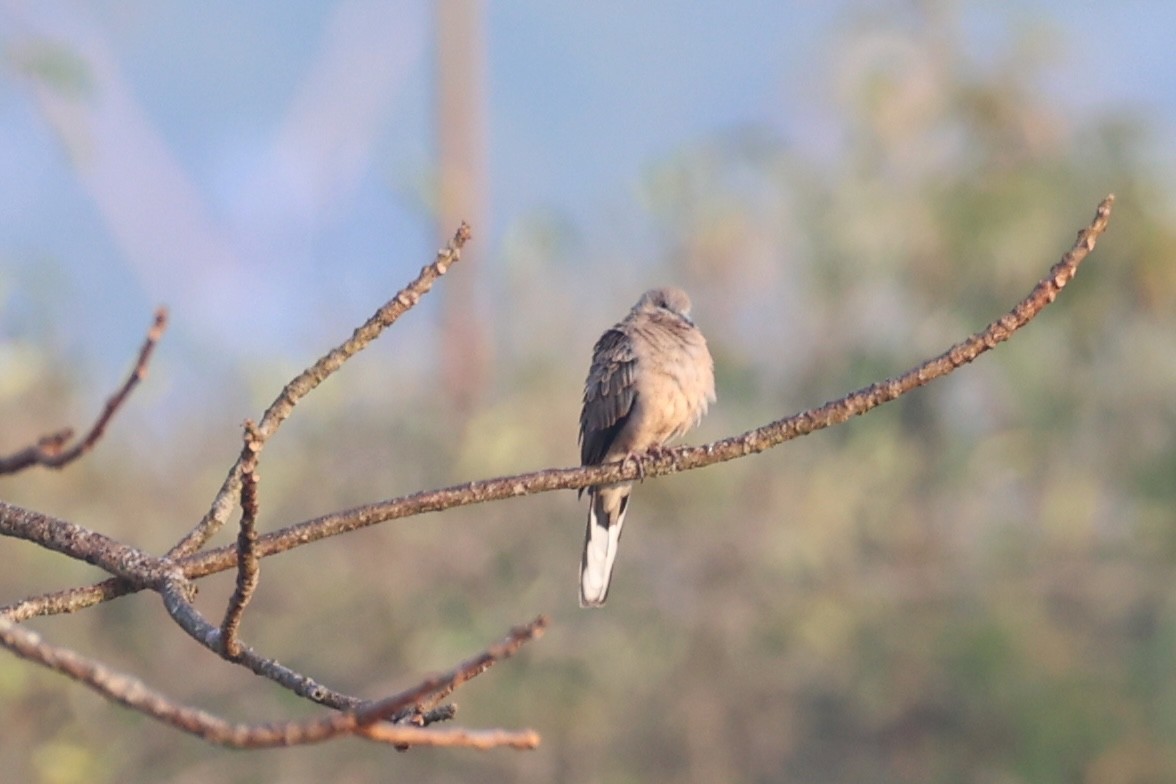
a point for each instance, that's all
(606, 515)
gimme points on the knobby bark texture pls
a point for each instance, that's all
(405, 719)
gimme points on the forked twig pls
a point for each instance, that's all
(462, 673)
(398, 720)
(51, 450)
(176, 592)
(134, 694)
(310, 378)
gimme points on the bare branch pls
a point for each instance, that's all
(404, 736)
(248, 567)
(51, 451)
(687, 457)
(177, 599)
(679, 459)
(133, 693)
(463, 672)
(176, 592)
(80, 598)
(400, 718)
(310, 378)
(130, 563)
(69, 600)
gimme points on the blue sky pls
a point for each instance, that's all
(264, 168)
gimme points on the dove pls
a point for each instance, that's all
(651, 380)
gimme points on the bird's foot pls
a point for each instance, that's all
(657, 451)
(638, 459)
(654, 452)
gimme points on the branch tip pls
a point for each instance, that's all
(50, 450)
(306, 381)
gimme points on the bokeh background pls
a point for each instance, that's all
(973, 584)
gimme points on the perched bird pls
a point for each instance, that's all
(651, 380)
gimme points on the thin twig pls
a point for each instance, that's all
(65, 601)
(133, 693)
(310, 378)
(248, 565)
(672, 461)
(177, 592)
(51, 451)
(403, 736)
(177, 599)
(462, 673)
(397, 708)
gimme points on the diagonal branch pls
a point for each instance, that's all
(134, 694)
(672, 461)
(305, 382)
(467, 670)
(131, 564)
(51, 450)
(176, 592)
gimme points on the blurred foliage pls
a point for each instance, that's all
(53, 66)
(973, 584)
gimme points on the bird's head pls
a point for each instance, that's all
(668, 298)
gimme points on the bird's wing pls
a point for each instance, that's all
(609, 394)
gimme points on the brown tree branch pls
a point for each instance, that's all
(682, 458)
(176, 593)
(177, 599)
(68, 600)
(275, 414)
(139, 568)
(136, 569)
(310, 378)
(376, 720)
(404, 736)
(463, 672)
(248, 564)
(134, 694)
(671, 461)
(51, 451)
(142, 570)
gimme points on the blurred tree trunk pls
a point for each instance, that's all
(461, 139)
